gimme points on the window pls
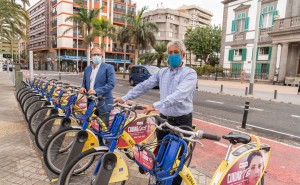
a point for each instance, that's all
(263, 51)
(170, 34)
(237, 54)
(267, 16)
(241, 22)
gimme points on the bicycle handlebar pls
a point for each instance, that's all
(199, 134)
(129, 107)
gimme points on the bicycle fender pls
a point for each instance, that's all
(91, 142)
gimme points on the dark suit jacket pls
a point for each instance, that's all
(104, 84)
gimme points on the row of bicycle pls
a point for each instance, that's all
(81, 149)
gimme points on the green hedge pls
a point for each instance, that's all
(207, 69)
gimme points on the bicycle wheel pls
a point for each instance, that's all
(29, 101)
(25, 96)
(22, 92)
(34, 106)
(58, 147)
(46, 129)
(86, 162)
(38, 117)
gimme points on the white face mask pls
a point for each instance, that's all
(96, 60)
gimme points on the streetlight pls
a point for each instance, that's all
(251, 85)
(77, 47)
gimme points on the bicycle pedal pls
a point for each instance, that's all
(142, 171)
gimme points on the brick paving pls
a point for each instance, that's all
(19, 161)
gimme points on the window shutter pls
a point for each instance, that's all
(230, 56)
(258, 68)
(233, 26)
(273, 16)
(246, 23)
(268, 68)
(244, 54)
(270, 53)
(261, 21)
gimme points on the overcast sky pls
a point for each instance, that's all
(214, 6)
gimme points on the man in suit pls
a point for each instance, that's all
(99, 79)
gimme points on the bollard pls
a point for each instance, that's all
(275, 94)
(246, 109)
(59, 76)
(221, 88)
(246, 91)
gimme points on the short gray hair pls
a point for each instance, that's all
(179, 44)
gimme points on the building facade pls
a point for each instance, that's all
(39, 32)
(278, 51)
(173, 23)
(61, 52)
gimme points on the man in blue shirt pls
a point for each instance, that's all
(177, 85)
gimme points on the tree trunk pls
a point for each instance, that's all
(88, 52)
(136, 54)
(158, 62)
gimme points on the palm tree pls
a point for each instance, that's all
(85, 19)
(138, 32)
(13, 19)
(103, 28)
(160, 54)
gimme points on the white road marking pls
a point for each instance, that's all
(295, 116)
(221, 144)
(252, 108)
(120, 85)
(218, 102)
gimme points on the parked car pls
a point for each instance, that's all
(139, 73)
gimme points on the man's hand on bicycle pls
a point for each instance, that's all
(118, 100)
(149, 109)
(82, 90)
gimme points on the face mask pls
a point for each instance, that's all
(96, 60)
(174, 60)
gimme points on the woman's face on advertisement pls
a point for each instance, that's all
(256, 168)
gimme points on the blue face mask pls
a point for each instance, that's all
(96, 60)
(174, 60)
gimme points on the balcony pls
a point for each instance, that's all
(54, 2)
(239, 36)
(119, 10)
(119, 20)
(122, 50)
(79, 46)
(54, 24)
(287, 24)
(54, 14)
(264, 36)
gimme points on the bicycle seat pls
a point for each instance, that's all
(237, 137)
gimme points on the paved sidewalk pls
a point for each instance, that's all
(19, 162)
